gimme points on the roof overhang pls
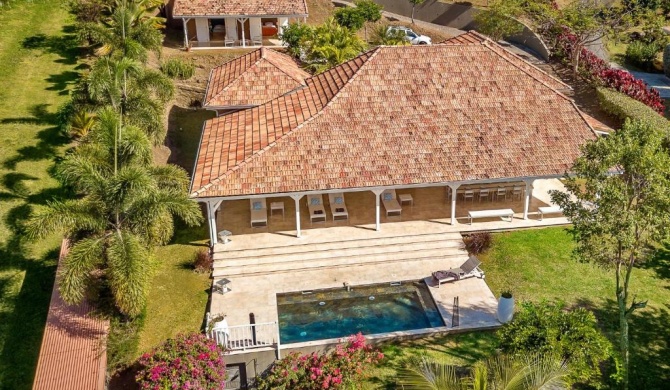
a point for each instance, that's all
(241, 16)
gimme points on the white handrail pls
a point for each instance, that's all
(250, 336)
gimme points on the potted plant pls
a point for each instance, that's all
(505, 307)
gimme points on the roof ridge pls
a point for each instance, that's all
(488, 45)
(301, 125)
(260, 49)
(281, 69)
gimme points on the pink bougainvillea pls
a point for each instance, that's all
(185, 362)
(594, 69)
(338, 369)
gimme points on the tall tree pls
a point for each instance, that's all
(126, 206)
(498, 20)
(618, 200)
(414, 4)
(371, 12)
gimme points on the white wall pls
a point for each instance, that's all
(202, 29)
(255, 28)
(231, 28)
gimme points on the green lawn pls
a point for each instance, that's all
(36, 68)
(536, 265)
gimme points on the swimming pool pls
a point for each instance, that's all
(372, 309)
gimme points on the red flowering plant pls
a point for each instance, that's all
(597, 71)
(190, 361)
(342, 368)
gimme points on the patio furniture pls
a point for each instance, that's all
(549, 210)
(277, 206)
(222, 286)
(469, 194)
(502, 213)
(469, 269)
(501, 191)
(406, 198)
(484, 193)
(337, 206)
(316, 209)
(259, 212)
(224, 236)
(390, 202)
(228, 42)
(517, 192)
(257, 40)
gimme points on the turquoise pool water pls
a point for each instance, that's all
(325, 314)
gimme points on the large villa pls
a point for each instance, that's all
(331, 198)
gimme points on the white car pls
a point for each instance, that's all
(411, 36)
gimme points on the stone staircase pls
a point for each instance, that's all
(338, 254)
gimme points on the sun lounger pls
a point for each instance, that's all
(469, 269)
(259, 212)
(316, 210)
(391, 202)
(337, 206)
(549, 210)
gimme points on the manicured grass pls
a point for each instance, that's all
(37, 65)
(537, 265)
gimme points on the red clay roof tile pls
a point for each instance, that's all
(396, 116)
(239, 7)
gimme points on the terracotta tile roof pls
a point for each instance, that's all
(253, 79)
(239, 7)
(596, 124)
(396, 116)
(475, 38)
(73, 354)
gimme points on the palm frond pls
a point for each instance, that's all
(66, 217)
(75, 275)
(170, 177)
(429, 375)
(128, 263)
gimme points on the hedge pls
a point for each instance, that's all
(622, 106)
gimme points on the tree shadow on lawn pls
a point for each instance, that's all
(659, 261)
(649, 332)
(66, 45)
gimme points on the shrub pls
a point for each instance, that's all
(642, 54)
(342, 368)
(177, 68)
(350, 18)
(573, 335)
(203, 261)
(294, 38)
(623, 107)
(600, 73)
(186, 362)
(477, 243)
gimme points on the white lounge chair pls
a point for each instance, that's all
(259, 212)
(316, 209)
(469, 269)
(390, 202)
(337, 206)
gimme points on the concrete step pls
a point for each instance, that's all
(369, 248)
(340, 244)
(385, 259)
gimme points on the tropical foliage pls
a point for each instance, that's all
(624, 107)
(619, 205)
(177, 68)
(384, 35)
(185, 362)
(549, 328)
(342, 368)
(527, 372)
(498, 20)
(126, 206)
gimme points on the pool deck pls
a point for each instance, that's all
(266, 263)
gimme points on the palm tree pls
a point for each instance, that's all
(384, 35)
(533, 372)
(137, 94)
(331, 45)
(126, 207)
(81, 123)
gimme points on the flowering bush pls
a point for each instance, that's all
(185, 362)
(338, 369)
(599, 72)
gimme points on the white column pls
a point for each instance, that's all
(185, 22)
(529, 192)
(297, 198)
(202, 29)
(454, 193)
(378, 193)
(212, 206)
(242, 21)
